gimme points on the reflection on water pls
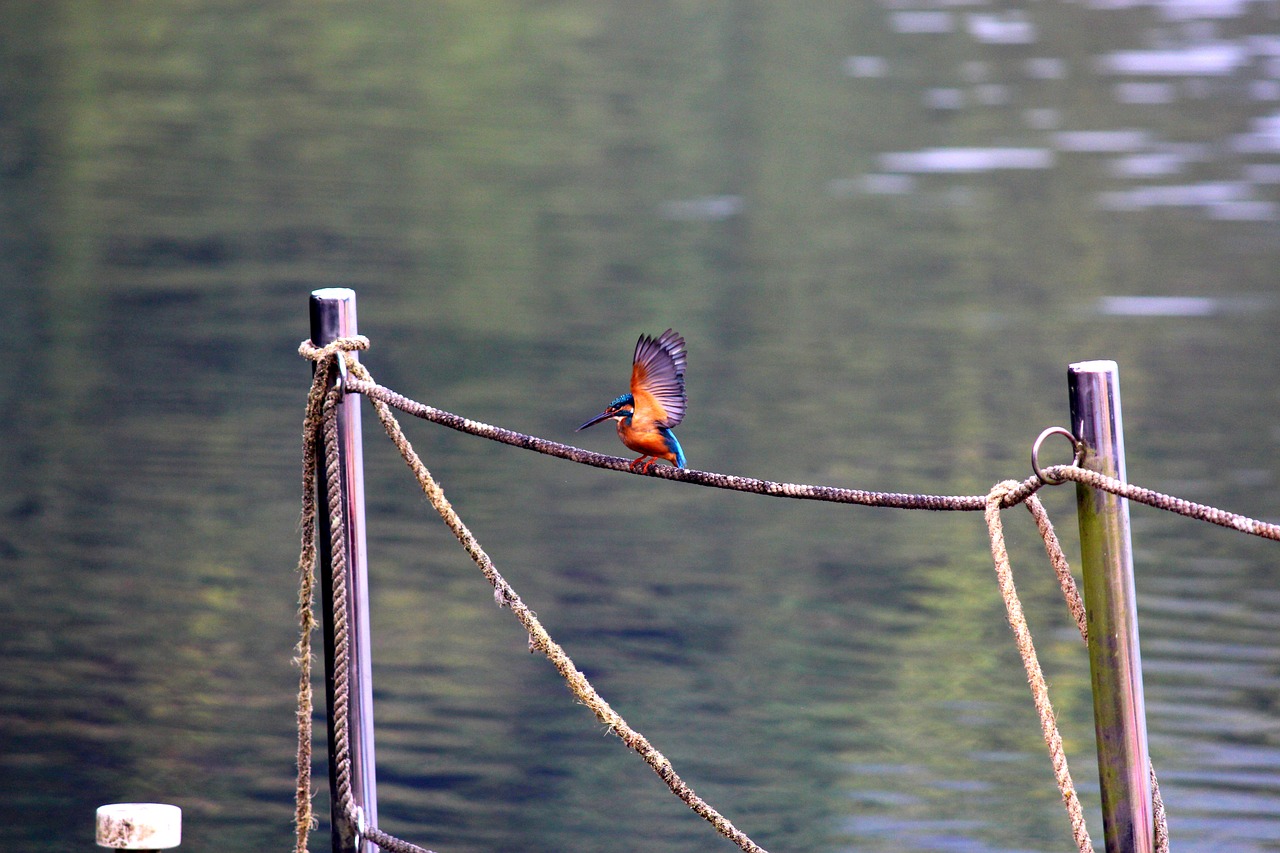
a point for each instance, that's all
(884, 230)
(705, 209)
(1219, 678)
(1194, 47)
(1196, 60)
(967, 160)
(1158, 306)
(1220, 200)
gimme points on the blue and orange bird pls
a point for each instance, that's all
(656, 402)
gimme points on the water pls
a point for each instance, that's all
(884, 230)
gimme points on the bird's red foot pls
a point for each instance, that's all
(642, 466)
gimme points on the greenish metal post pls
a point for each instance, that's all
(1115, 662)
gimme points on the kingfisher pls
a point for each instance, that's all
(656, 402)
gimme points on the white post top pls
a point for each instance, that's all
(139, 826)
(1096, 366)
(336, 293)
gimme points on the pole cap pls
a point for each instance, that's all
(139, 826)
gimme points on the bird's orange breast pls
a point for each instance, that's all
(649, 442)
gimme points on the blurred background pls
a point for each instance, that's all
(885, 229)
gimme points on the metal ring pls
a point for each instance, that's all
(358, 820)
(340, 384)
(1076, 444)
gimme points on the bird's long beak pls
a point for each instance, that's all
(603, 416)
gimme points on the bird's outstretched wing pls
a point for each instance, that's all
(657, 379)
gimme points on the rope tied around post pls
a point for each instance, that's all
(311, 352)
(320, 412)
(321, 417)
(1035, 676)
(504, 594)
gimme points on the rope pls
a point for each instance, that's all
(1158, 815)
(341, 635)
(1035, 676)
(1003, 495)
(390, 842)
(804, 491)
(1201, 512)
(713, 479)
(322, 416)
(304, 818)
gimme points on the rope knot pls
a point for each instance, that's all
(1004, 493)
(355, 343)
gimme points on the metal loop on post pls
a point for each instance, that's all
(358, 819)
(340, 384)
(1076, 444)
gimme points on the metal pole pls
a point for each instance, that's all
(333, 315)
(1114, 660)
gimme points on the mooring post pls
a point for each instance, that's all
(1115, 662)
(139, 826)
(333, 315)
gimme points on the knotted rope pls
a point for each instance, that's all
(1035, 676)
(1030, 662)
(321, 416)
(356, 379)
(304, 818)
(805, 491)
(1075, 605)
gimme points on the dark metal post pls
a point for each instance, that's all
(333, 315)
(1114, 660)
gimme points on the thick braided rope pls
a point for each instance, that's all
(799, 491)
(805, 491)
(386, 841)
(311, 352)
(1202, 512)
(304, 818)
(322, 415)
(540, 640)
(341, 633)
(1158, 815)
(1035, 676)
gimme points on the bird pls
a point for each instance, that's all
(656, 403)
